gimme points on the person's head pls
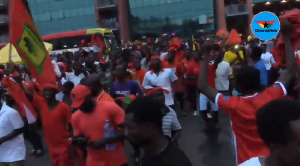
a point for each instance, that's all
(278, 124)
(137, 64)
(77, 67)
(90, 59)
(121, 72)
(263, 48)
(67, 88)
(21, 68)
(144, 120)
(256, 53)
(158, 96)
(156, 64)
(49, 92)
(82, 99)
(171, 56)
(94, 83)
(247, 80)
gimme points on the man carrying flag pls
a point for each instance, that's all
(25, 38)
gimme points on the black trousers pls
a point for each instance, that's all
(31, 135)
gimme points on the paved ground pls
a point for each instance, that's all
(203, 148)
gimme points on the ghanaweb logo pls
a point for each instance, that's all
(265, 25)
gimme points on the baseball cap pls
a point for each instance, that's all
(50, 86)
(78, 95)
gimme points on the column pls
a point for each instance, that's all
(249, 3)
(123, 9)
(221, 14)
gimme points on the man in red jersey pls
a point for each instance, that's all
(242, 110)
(56, 116)
(89, 123)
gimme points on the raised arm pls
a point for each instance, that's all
(202, 79)
(290, 59)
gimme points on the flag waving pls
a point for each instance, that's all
(25, 38)
(17, 93)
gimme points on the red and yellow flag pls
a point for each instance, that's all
(24, 36)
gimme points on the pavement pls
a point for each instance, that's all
(202, 147)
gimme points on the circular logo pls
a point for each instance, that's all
(265, 25)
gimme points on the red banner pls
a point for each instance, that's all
(23, 105)
(24, 36)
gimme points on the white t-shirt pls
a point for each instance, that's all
(222, 76)
(14, 149)
(268, 60)
(163, 80)
(75, 79)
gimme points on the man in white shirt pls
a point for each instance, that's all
(223, 74)
(77, 75)
(267, 59)
(160, 77)
(12, 146)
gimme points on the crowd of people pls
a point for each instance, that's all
(136, 94)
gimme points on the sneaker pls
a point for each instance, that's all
(39, 153)
(195, 113)
(33, 152)
(209, 116)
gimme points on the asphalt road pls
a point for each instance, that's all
(202, 147)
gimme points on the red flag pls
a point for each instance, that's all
(24, 36)
(222, 33)
(101, 46)
(92, 41)
(24, 106)
(233, 38)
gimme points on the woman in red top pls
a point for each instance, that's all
(56, 116)
(192, 78)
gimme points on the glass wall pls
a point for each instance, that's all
(183, 17)
(53, 16)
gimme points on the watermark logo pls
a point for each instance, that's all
(265, 26)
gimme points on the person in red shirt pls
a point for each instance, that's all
(56, 116)
(242, 110)
(89, 123)
(203, 100)
(178, 69)
(139, 73)
(192, 80)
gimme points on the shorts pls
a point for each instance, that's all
(203, 100)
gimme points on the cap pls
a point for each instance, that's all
(1, 71)
(149, 93)
(50, 86)
(78, 95)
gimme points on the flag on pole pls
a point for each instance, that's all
(17, 93)
(25, 38)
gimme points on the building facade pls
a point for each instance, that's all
(4, 21)
(54, 16)
(154, 17)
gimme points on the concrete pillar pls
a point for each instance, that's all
(221, 14)
(123, 20)
(249, 3)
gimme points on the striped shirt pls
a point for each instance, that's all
(170, 123)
